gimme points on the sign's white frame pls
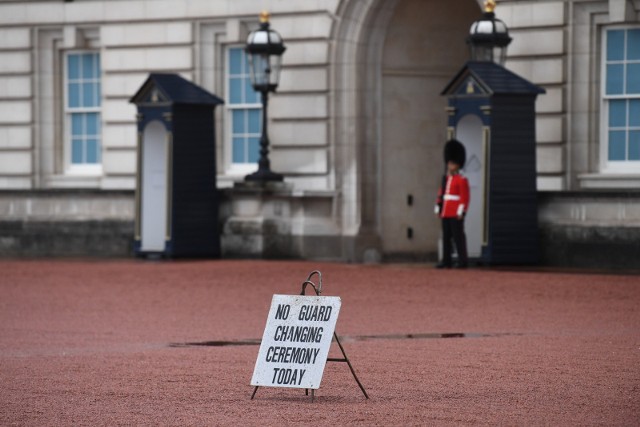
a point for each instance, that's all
(296, 341)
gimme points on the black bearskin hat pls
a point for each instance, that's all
(454, 151)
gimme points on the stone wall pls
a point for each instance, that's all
(590, 229)
(66, 223)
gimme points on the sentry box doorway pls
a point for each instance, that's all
(176, 195)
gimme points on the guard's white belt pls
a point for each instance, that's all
(451, 197)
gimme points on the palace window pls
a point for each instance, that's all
(621, 100)
(82, 111)
(244, 110)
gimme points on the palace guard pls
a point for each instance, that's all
(452, 205)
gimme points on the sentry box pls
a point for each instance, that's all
(492, 112)
(176, 195)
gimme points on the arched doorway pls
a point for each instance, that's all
(154, 187)
(390, 62)
(424, 47)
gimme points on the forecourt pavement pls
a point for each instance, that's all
(116, 343)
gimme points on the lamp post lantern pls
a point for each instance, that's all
(265, 49)
(489, 37)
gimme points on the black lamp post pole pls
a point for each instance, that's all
(264, 163)
(264, 172)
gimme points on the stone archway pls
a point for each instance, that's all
(380, 63)
(424, 47)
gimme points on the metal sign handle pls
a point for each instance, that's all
(316, 288)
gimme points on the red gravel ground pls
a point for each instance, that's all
(87, 343)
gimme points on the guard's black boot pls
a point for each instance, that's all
(441, 265)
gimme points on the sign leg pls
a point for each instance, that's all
(353, 372)
(254, 392)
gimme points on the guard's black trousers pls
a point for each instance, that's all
(454, 228)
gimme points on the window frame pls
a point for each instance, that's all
(70, 168)
(606, 165)
(232, 168)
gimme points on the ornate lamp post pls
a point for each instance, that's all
(489, 37)
(264, 48)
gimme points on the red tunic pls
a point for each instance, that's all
(455, 200)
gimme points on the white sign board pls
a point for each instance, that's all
(296, 341)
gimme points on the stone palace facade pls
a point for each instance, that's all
(357, 125)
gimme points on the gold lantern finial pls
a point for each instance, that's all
(264, 17)
(489, 5)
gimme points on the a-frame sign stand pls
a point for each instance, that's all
(344, 359)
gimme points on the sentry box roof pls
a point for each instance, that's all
(164, 88)
(488, 78)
